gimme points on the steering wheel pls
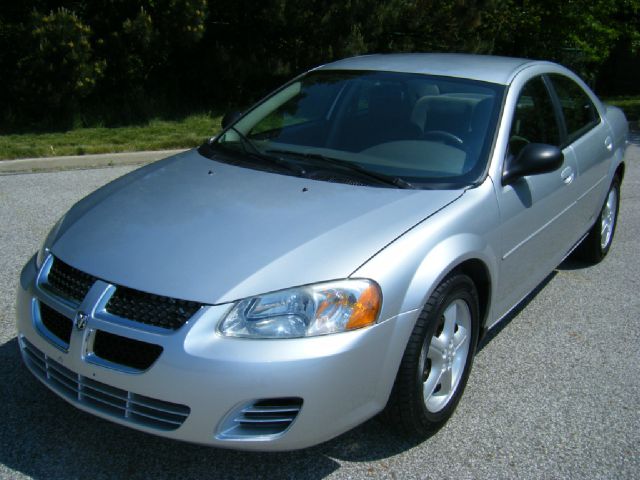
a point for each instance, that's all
(446, 137)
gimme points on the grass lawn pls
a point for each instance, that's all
(631, 107)
(156, 135)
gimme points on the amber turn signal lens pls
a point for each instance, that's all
(366, 309)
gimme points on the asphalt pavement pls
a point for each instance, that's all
(554, 393)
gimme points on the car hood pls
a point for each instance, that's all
(193, 228)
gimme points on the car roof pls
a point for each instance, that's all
(485, 68)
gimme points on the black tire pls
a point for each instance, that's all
(407, 408)
(595, 247)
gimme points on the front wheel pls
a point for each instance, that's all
(599, 239)
(437, 359)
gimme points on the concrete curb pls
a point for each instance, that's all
(45, 164)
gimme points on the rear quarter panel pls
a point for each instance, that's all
(619, 126)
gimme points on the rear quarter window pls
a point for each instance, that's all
(580, 114)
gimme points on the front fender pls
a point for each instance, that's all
(443, 259)
(410, 268)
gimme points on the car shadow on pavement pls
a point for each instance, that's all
(504, 322)
(572, 263)
(45, 437)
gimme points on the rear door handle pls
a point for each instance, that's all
(567, 175)
(608, 143)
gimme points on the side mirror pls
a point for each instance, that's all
(533, 159)
(230, 117)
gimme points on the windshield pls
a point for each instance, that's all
(409, 129)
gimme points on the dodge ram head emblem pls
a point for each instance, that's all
(81, 320)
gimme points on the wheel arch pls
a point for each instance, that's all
(405, 408)
(620, 171)
(478, 271)
(409, 284)
(467, 253)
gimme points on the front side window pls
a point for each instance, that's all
(580, 114)
(431, 131)
(534, 120)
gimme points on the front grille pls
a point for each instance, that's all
(56, 323)
(68, 282)
(264, 417)
(72, 285)
(125, 351)
(163, 312)
(112, 401)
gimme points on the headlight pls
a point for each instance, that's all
(305, 311)
(44, 249)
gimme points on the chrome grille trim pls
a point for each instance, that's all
(261, 418)
(43, 327)
(129, 406)
(267, 415)
(56, 323)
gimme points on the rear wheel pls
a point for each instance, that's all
(598, 242)
(437, 360)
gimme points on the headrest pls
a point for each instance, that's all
(387, 100)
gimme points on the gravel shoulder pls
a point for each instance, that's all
(555, 393)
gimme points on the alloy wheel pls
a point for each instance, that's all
(446, 355)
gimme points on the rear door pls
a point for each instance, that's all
(589, 139)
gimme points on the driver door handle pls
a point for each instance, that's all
(567, 175)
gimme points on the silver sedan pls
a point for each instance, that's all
(336, 252)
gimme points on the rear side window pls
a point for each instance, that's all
(534, 120)
(580, 114)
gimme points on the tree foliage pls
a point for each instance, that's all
(577, 33)
(120, 61)
(57, 68)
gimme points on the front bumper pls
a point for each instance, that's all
(341, 380)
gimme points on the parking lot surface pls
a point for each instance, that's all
(554, 393)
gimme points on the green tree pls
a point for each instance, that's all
(57, 70)
(577, 33)
(121, 61)
(142, 43)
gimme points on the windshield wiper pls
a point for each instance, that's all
(250, 149)
(354, 167)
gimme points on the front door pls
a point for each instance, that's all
(537, 211)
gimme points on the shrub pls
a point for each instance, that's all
(57, 70)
